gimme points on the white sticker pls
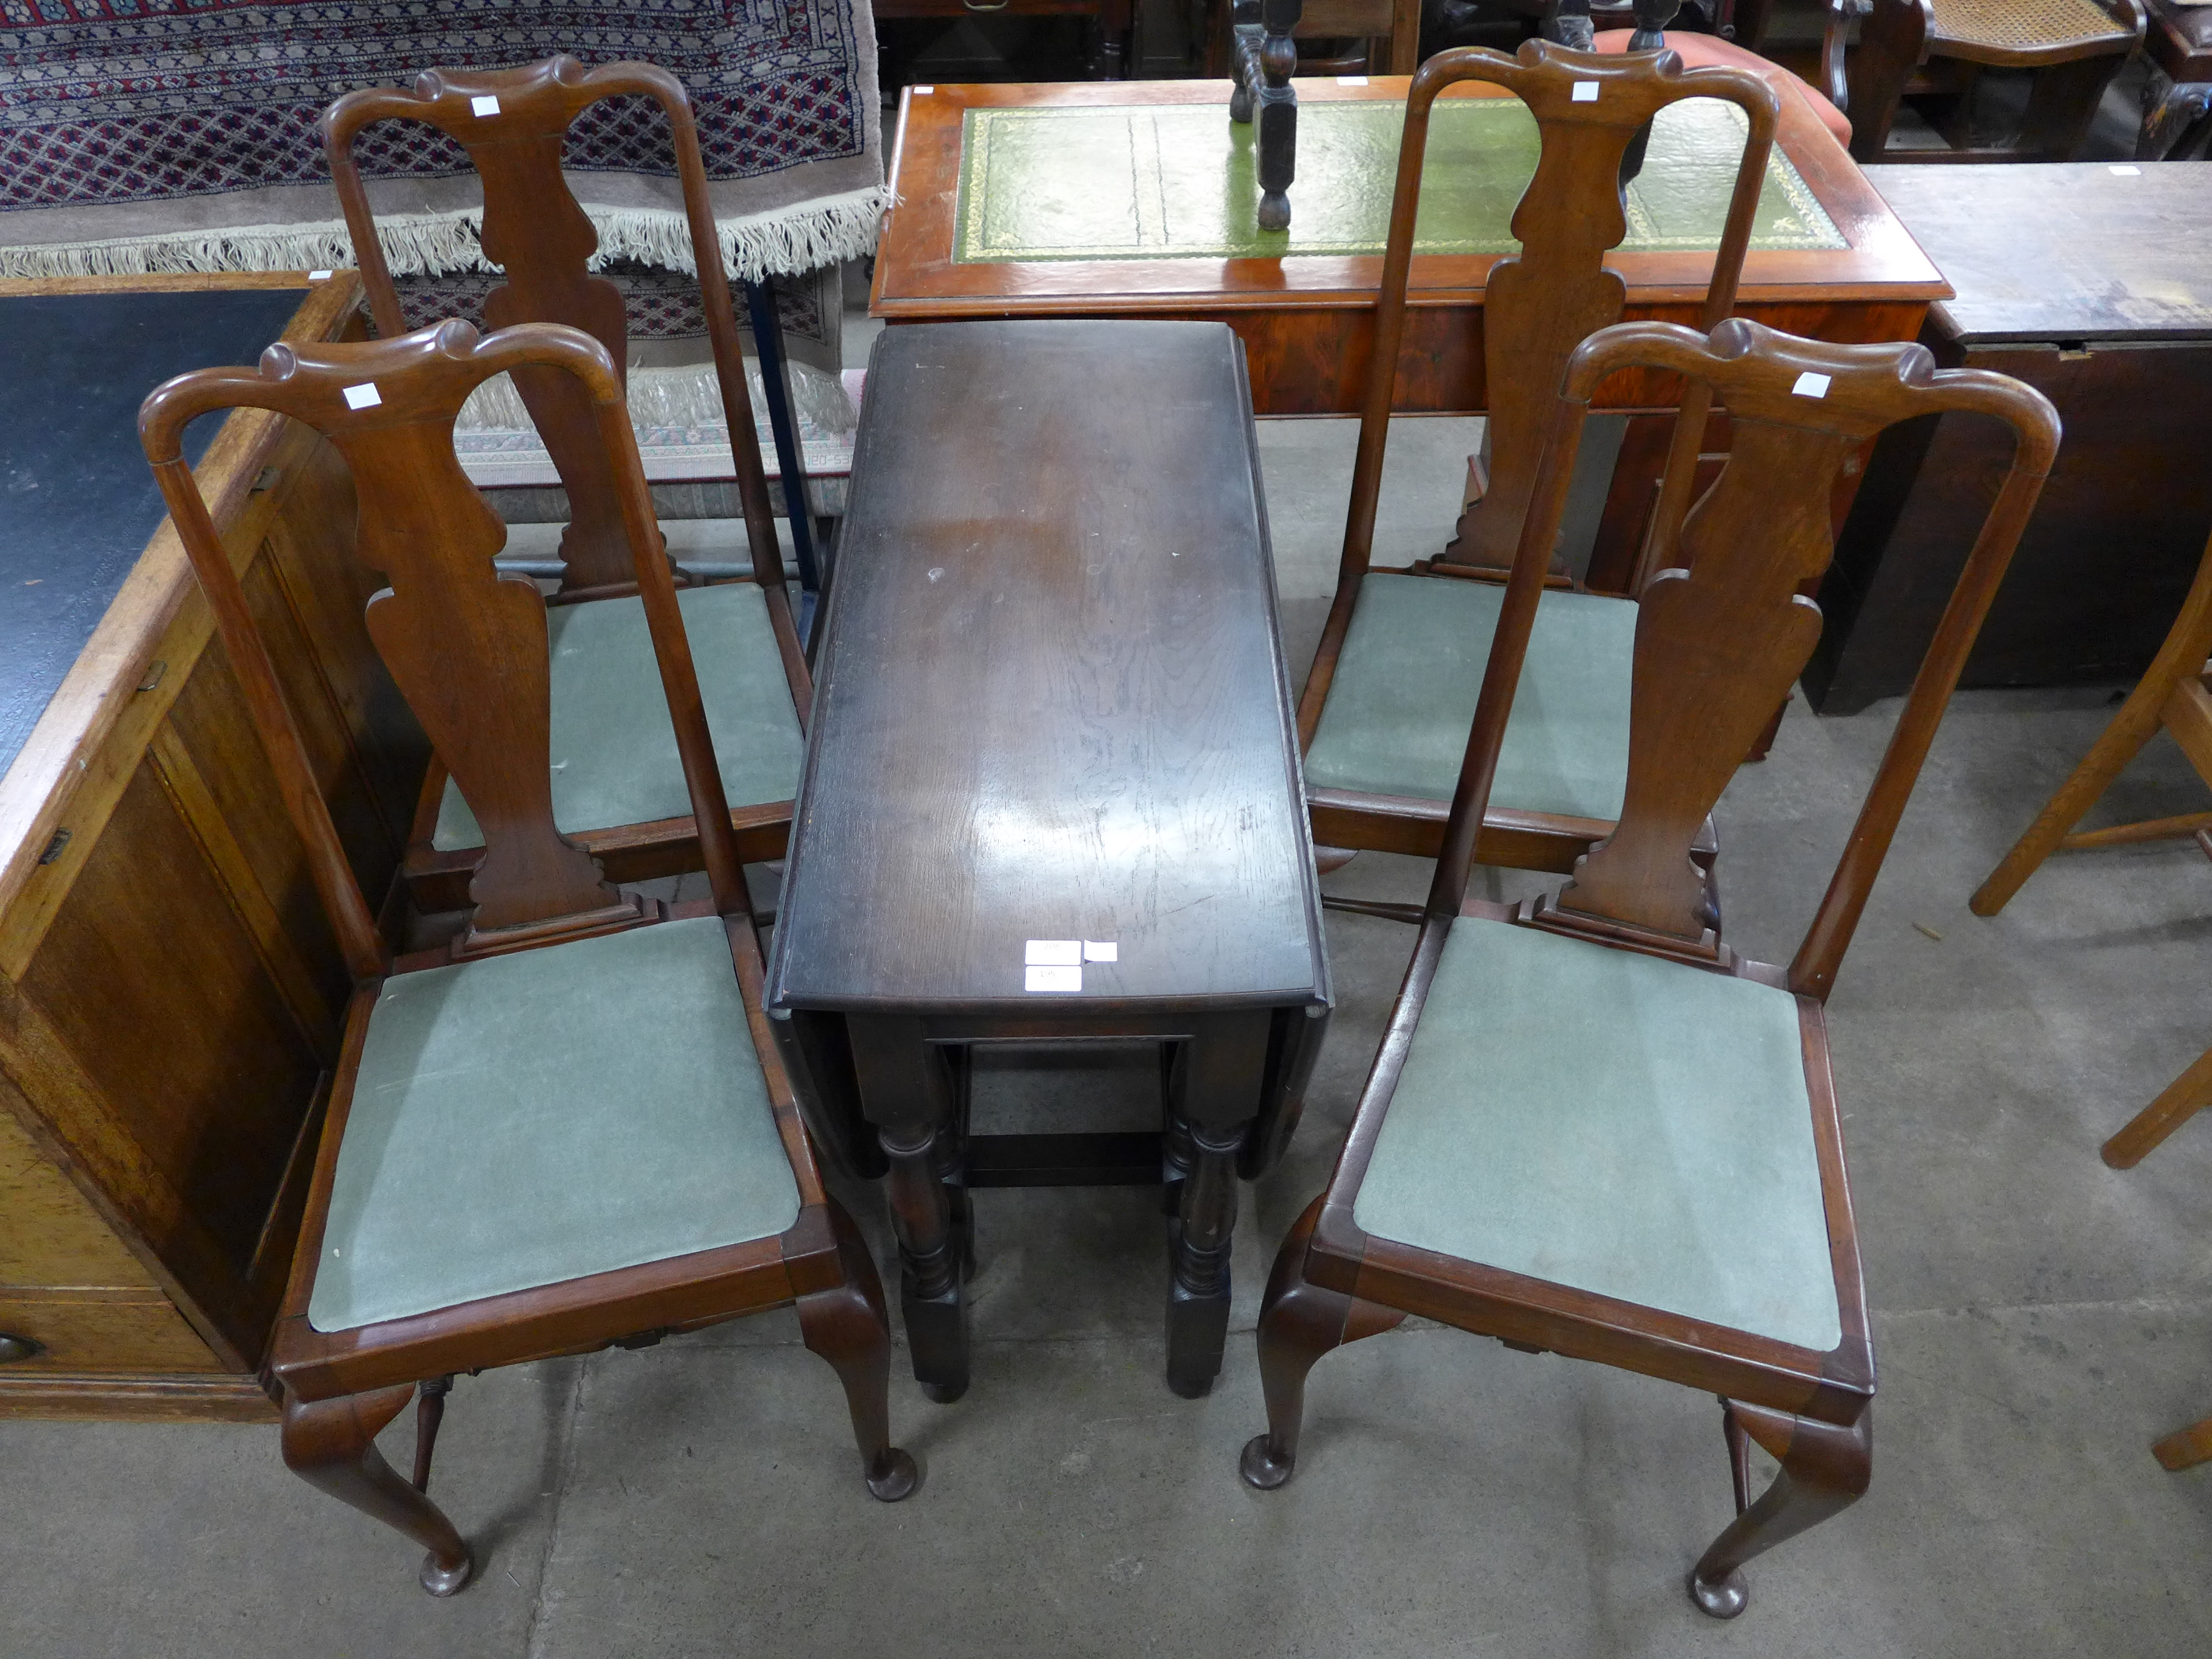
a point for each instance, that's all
(1053, 977)
(1095, 950)
(2127, 172)
(1053, 951)
(484, 106)
(923, 92)
(318, 275)
(1585, 92)
(364, 396)
(1352, 80)
(1810, 385)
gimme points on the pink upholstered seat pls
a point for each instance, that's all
(1696, 49)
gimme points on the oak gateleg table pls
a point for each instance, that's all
(1051, 793)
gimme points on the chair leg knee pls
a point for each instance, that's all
(1825, 1470)
(332, 1444)
(1299, 1321)
(848, 1327)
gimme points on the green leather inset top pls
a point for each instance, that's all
(1176, 182)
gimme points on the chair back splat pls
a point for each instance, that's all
(512, 123)
(1723, 631)
(466, 645)
(1538, 305)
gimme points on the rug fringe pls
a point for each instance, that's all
(689, 395)
(802, 238)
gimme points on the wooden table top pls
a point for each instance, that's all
(1051, 702)
(2065, 250)
(91, 570)
(919, 274)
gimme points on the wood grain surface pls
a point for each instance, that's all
(1051, 702)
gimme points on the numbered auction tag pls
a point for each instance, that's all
(484, 106)
(1096, 950)
(1585, 92)
(364, 396)
(1053, 952)
(1810, 385)
(318, 275)
(1048, 977)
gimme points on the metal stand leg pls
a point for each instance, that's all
(775, 385)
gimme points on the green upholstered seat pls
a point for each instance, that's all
(613, 746)
(1410, 673)
(1613, 1122)
(526, 1119)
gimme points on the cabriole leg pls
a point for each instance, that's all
(1298, 1323)
(1825, 1470)
(849, 1328)
(332, 1444)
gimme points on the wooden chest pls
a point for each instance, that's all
(169, 994)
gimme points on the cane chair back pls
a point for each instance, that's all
(505, 1170)
(1385, 710)
(1592, 1128)
(616, 788)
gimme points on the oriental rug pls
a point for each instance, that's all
(179, 135)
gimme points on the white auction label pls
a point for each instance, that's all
(1053, 977)
(1810, 385)
(1585, 92)
(318, 275)
(1101, 949)
(1352, 80)
(364, 396)
(2127, 172)
(484, 106)
(923, 92)
(1053, 952)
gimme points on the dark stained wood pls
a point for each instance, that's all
(1051, 706)
(148, 1223)
(1332, 1281)
(1307, 322)
(1111, 49)
(2098, 296)
(422, 523)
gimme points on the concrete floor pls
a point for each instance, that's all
(2040, 1319)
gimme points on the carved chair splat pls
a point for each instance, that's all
(1504, 1172)
(1385, 710)
(616, 794)
(610, 1192)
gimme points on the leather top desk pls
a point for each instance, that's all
(1052, 789)
(1097, 200)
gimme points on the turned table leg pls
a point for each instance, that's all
(1219, 1082)
(907, 1094)
(1278, 110)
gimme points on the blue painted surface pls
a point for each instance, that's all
(77, 502)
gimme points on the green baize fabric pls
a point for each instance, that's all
(613, 745)
(1406, 682)
(530, 1119)
(1613, 1122)
(1178, 182)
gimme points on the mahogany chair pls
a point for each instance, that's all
(1384, 716)
(618, 788)
(570, 1128)
(1938, 48)
(2171, 698)
(1592, 1128)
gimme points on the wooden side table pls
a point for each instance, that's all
(1052, 792)
(2093, 282)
